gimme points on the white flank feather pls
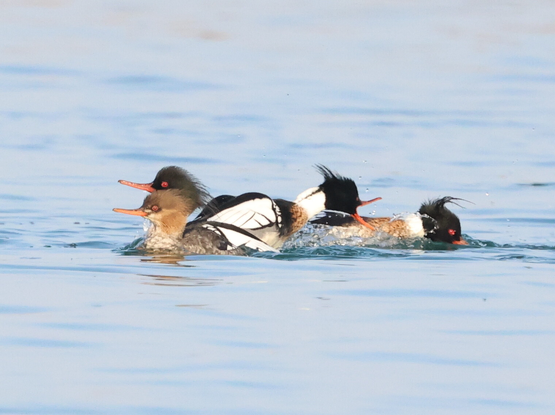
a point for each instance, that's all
(414, 222)
(238, 239)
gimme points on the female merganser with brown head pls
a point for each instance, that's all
(273, 221)
(433, 221)
(168, 211)
(173, 177)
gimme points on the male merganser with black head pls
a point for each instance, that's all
(173, 177)
(168, 211)
(273, 221)
(433, 221)
(440, 224)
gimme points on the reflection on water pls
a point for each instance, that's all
(182, 281)
(170, 259)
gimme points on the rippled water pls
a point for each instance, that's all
(414, 100)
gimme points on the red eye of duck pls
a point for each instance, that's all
(155, 208)
(164, 184)
(452, 232)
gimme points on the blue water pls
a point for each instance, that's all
(413, 100)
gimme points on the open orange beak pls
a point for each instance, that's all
(362, 221)
(370, 201)
(359, 219)
(461, 242)
(134, 212)
(142, 186)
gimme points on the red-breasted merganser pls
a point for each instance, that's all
(173, 177)
(433, 221)
(275, 220)
(168, 211)
(272, 221)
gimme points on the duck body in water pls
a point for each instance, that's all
(168, 211)
(433, 221)
(273, 221)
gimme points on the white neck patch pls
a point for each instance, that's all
(414, 223)
(312, 200)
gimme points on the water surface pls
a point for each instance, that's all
(414, 101)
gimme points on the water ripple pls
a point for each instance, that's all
(159, 83)
(411, 358)
(37, 342)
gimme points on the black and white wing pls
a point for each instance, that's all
(251, 211)
(212, 238)
(256, 213)
(235, 237)
(214, 206)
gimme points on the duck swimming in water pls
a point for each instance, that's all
(433, 221)
(168, 211)
(273, 221)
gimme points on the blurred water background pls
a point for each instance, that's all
(414, 100)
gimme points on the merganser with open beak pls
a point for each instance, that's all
(173, 177)
(168, 211)
(273, 221)
(433, 221)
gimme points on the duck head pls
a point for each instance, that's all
(335, 193)
(440, 224)
(166, 209)
(173, 177)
